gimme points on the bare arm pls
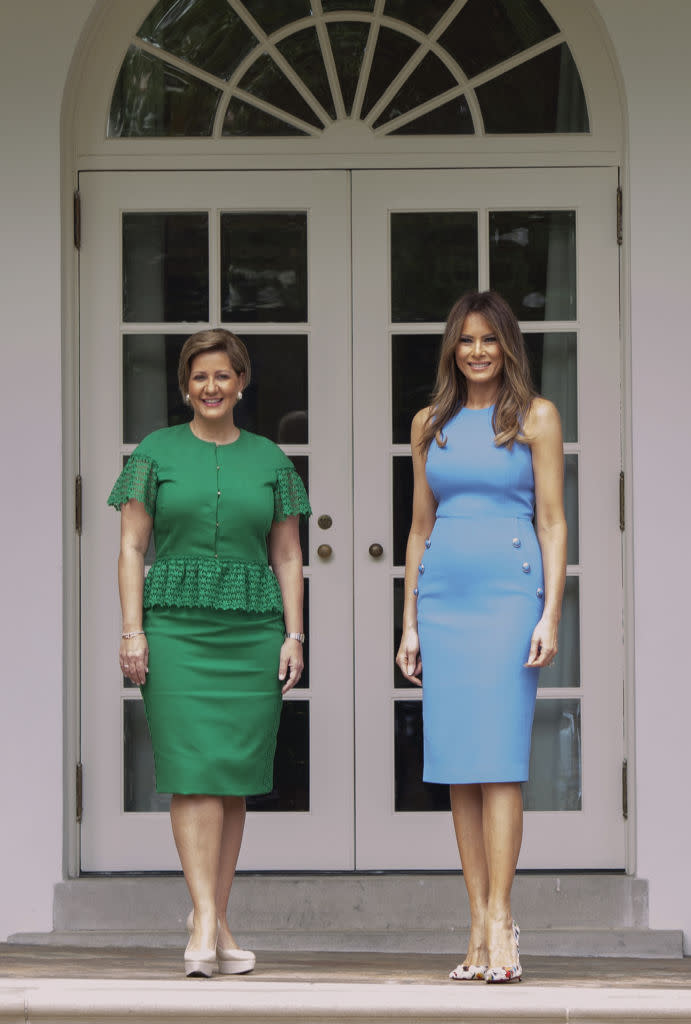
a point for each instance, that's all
(285, 557)
(135, 533)
(422, 524)
(543, 428)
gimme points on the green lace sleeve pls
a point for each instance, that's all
(138, 480)
(290, 496)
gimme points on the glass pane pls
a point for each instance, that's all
(392, 52)
(152, 99)
(434, 259)
(402, 505)
(450, 119)
(272, 15)
(267, 82)
(566, 668)
(139, 791)
(532, 262)
(347, 5)
(399, 681)
(422, 15)
(348, 41)
(150, 395)
(305, 677)
(291, 791)
(301, 463)
(486, 32)
(429, 79)
(571, 506)
(207, 33)
(165, 267)
(275, 403)
(412, 794)
(413, 369)
(264, 267)
(553, 365)
(542, 95)
(303, 52)
(244, 119)
(555, 758)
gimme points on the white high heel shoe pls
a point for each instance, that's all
(199, 963)
(230, 960)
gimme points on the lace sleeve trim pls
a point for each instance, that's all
(202, 582)
(138, 480)
(290, 496)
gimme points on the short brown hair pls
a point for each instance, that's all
(215, 340)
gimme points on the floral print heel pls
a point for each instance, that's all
(468, 972)
(514, 972)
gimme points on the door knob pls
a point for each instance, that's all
(325, 551)
(376, 550)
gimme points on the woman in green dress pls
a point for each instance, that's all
(213, 634)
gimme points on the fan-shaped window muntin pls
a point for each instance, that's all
(181, 79)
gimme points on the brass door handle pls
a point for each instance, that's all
(376, 550)
(325, 551)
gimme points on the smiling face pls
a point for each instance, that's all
(213, 387)
(479, 355)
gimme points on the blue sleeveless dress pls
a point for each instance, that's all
(481, 593)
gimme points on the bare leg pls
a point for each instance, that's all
(466, 808)
(231, 840)
(197, 829)
(502, 819)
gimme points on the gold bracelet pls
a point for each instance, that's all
(135, 632)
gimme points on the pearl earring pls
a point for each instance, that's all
(239, 395)
(187, 398)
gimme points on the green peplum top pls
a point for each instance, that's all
(212, 508)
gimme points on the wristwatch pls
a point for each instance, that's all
(296, 636)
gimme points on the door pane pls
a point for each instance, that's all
(433, 261)
(264, 267)
(487, 32)
(571, 507)
(565, 670)
(533, 262)
(411, 793)
(413, 369)
(138, 758)
(165, 267)
(544, 94)
(399, 680)
(555, 758)
(553, 366)
(151, 398)
(291, 790)
(402, 466)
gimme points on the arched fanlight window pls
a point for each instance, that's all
(232, 68)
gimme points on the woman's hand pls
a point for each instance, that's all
(134, 658)
(543, 645)
(408, 657)
(291, 661)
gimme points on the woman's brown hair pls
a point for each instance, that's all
(216, 340)
(516, 390)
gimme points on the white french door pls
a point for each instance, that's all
(343, 348)
(546, 240)
(267, 255)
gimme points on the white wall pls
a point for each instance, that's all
(651, 43)
(36, 46)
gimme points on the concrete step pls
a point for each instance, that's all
(578, 915)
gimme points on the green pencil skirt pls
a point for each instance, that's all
(213, 699)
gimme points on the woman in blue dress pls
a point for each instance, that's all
(483, 594)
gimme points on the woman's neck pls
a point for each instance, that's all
(480, 396)
(223, 432)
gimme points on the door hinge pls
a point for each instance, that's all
(625, 789)
(78, 504)
(77, 219)
(620, 216)
(79, 792)
(622, 502)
